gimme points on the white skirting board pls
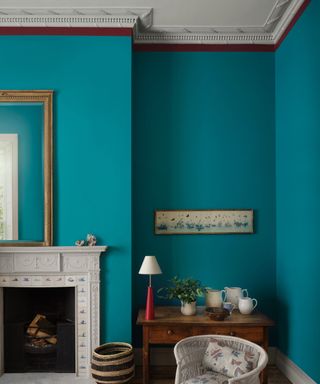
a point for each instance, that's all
(165, 357)
(291, 370)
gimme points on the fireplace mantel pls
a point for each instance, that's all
(67, 249)
(46, 267)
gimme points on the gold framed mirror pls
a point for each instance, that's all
(26, 196)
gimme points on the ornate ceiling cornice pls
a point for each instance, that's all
(76, 17)
(144, 32)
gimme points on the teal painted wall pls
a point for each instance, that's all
(204, 132)
(91, 77)
(298, 191)
(203, 137)
(27, 122)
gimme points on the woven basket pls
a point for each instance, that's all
(113, 363)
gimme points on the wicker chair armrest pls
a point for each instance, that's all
(192, 350)
(194, 356)
(188, 371)
(251, 377)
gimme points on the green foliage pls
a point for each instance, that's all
(186, 290)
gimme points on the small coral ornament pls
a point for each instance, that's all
(91, 240)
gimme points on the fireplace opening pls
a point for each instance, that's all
(39, 329)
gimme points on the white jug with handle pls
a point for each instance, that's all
(215, 297)
(247, 305)
(233, 294)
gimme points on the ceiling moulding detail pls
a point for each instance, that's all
(155, 37)
(276, 25)
(80, 17)
(291, 11)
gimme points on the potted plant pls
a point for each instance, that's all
(186, 290)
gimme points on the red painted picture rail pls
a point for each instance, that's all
(66, 31)
(204, 47)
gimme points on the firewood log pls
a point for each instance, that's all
(46, 325)
(33, 327)
(52, 340)
(42, 333)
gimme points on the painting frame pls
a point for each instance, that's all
(209, 221)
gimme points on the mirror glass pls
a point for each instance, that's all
(25, 168)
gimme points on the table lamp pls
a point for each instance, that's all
(150, 267)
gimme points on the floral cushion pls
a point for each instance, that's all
(209, 378)
(230, 362)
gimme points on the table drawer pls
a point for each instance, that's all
(211, 330)
(254, 334)
(168, 334)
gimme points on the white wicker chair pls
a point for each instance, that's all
(189, 353)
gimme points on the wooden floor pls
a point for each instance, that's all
(165, 375)
(276, 377)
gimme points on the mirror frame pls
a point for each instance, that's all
(45, 97)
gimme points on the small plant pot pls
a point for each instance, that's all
(189, 309)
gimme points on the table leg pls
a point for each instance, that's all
(145, 356)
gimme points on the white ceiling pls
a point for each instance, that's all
(168, 21)
(174, 12)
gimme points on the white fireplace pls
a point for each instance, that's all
(48, 267)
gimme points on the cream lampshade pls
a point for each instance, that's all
(150, 267)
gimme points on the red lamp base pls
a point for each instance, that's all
(149, 305)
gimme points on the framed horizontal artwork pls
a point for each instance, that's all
(210, 222)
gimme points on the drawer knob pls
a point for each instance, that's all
(232, 333)
(170, 332)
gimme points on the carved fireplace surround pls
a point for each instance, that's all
(45, 267)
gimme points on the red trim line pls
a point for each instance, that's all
(292, 23)
(204, 47)
(66, 31)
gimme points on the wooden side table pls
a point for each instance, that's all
(170, 326)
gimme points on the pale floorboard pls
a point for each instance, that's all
(165, 375)
(43, 378)
(160, 375)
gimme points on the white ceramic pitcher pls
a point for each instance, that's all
(247, 305)
(233, 294)
(215, 297)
